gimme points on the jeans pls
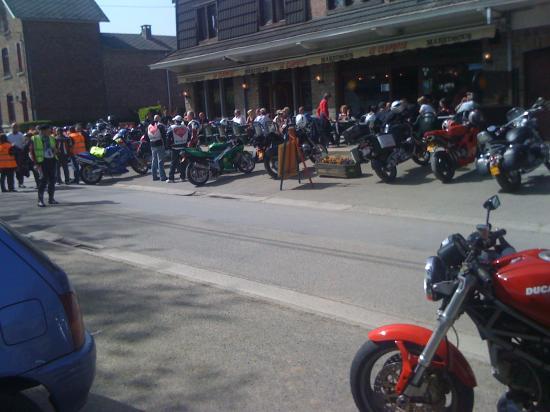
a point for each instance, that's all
(7, 174)
(76, 168)
(157, 163)
(49, 170)
(63, 163)
(176, 164)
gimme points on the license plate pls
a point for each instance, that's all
(495, 170)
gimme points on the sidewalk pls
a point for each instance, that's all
(415, 193)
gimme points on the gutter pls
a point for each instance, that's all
(455, 9)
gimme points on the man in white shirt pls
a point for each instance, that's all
(17, 139)
(239, 119)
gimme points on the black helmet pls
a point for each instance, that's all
(519, 135)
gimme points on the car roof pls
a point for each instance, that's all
(34, 257)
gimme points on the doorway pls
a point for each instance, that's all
(536, 66)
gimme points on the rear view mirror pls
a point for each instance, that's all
(492, 203)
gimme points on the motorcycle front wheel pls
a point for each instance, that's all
(375, 371)
(442, 166)
(271, 163)
(246, 163)
(198, 173)
(89, 176)
(509, 181)
(140, 166)
(386, 173)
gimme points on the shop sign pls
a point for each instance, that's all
(458, 36)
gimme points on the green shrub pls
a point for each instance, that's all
(26, 126)
(144, 111)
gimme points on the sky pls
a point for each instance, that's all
(127, 16)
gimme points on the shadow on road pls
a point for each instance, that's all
(412, 177)
(91, 203)
(535, 185)
(228, 178)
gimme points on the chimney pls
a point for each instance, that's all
(146, 32)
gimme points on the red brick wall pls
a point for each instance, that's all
(66, 70)
(130, 84)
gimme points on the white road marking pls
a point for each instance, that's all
(351, 314)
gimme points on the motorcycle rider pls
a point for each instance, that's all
(17, 139)
(177, 138)
(157, 136)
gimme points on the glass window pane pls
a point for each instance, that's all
(267, 11)
(201, 24)
(212, 22)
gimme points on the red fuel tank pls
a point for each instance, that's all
(523, 282)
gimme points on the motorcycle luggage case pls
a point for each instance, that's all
(523, 282)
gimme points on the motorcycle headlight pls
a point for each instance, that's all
(436, 272)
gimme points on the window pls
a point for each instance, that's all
(271, 11)
(207, 22)
(24, 106)
(6, 62)
(19, 59)
(11, 109)
(336, 4)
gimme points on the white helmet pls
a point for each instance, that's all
(397, 106)
(223, 122)
(301, 121)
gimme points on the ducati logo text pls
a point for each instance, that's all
(537, 290)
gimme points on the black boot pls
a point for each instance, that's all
(41, 202)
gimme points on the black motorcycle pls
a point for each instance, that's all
(396, 144)
(515, 148)
(308, 145)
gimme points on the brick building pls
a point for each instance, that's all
(273, 53)
(58, 66)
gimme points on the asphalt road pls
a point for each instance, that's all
(292, 282)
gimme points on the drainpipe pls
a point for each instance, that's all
(294, 91)
(509, 59)
(222, 98)
(206, 89)
(169, 91)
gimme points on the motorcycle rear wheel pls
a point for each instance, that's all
(88, 175)
(373, 390)
(246, 163)
(386, 173)
(271, 163)
(509, 181)
(197, 173)
(140, 166)
(442, 166)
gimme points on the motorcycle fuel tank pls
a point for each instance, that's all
(523, 282)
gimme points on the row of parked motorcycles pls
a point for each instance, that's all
(506, 152)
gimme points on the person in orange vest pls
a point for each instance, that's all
(79, 145)
(8, 164)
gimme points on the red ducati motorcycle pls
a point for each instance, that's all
(506, 294)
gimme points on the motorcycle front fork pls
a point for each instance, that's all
(445, 321)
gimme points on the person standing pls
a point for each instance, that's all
(78, 146)
(177, 138)
(193, 127)
(43, 153)
(8, 164)
(17, 139)
(323, 114)
(63, 146)
(157, 136)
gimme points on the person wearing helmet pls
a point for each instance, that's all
(177, 137)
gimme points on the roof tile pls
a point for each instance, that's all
(69, 10)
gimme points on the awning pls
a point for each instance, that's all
(394, 45)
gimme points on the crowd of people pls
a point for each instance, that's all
(44, 152)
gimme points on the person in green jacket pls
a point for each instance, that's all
(43, 153)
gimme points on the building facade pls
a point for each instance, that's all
(275, 53)
(57, 66)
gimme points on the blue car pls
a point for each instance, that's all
(42, 336)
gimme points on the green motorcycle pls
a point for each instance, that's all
(220, 158)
